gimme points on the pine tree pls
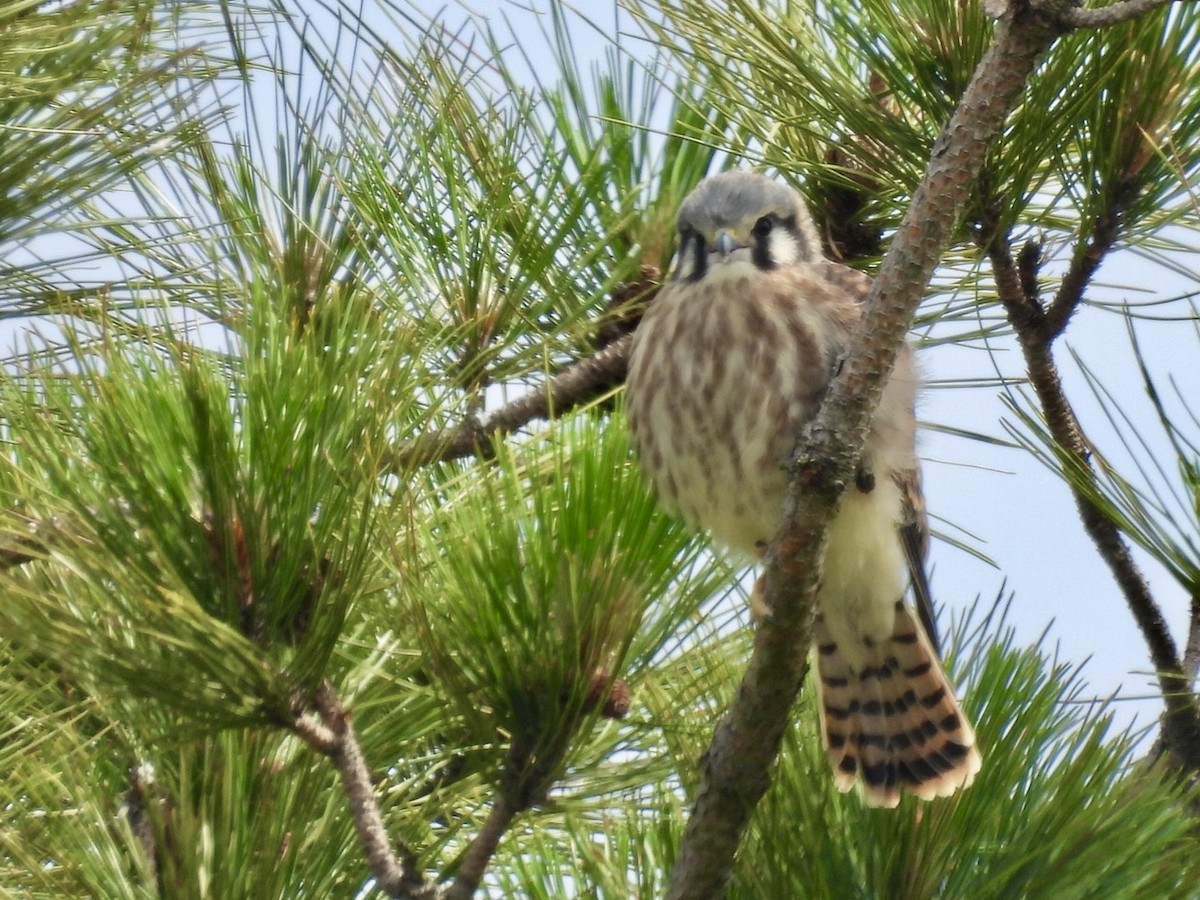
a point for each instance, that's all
(326, 567)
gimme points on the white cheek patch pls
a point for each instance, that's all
(785, 250)
(684, 266)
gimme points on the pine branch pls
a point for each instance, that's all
(1035, 333)
(735, 769)
(1104, 16)
(582, 381)
(525, 783)
(481, 850)
(1191, 652)
(138, 798)
(332, 734)
(1105, 232)
(579, 383)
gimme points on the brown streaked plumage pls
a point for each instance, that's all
(731, 359)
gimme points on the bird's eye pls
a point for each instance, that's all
(762, 227)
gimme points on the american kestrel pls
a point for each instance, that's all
(731, 359)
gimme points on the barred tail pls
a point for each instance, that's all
(895, 723)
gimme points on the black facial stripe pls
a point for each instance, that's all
(760, 249)
(693, 248)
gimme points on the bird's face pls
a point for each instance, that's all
(740, 220)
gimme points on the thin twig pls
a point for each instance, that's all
(578, 383)
(1191, 652)
(735, 769)
(481, 850)
(395, 872)
(1106, 230)
(1181, 727)
(141, 796)
(1104, 16)
(523, 784)
(316, 734)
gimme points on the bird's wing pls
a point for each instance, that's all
(914, 537)
(855, 283)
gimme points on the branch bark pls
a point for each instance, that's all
(524, 783)
(1106, 230)
(1191, 652)
(1104, 16)
(735, 769)
(481, 850)
(332, 734)
(580, 382)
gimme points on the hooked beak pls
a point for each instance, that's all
(726, 243)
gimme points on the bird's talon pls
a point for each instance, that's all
(864, 480)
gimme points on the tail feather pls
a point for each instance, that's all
(893, 723)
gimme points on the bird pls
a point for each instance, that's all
(730, 360)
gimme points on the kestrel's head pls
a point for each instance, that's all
(742, 217)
